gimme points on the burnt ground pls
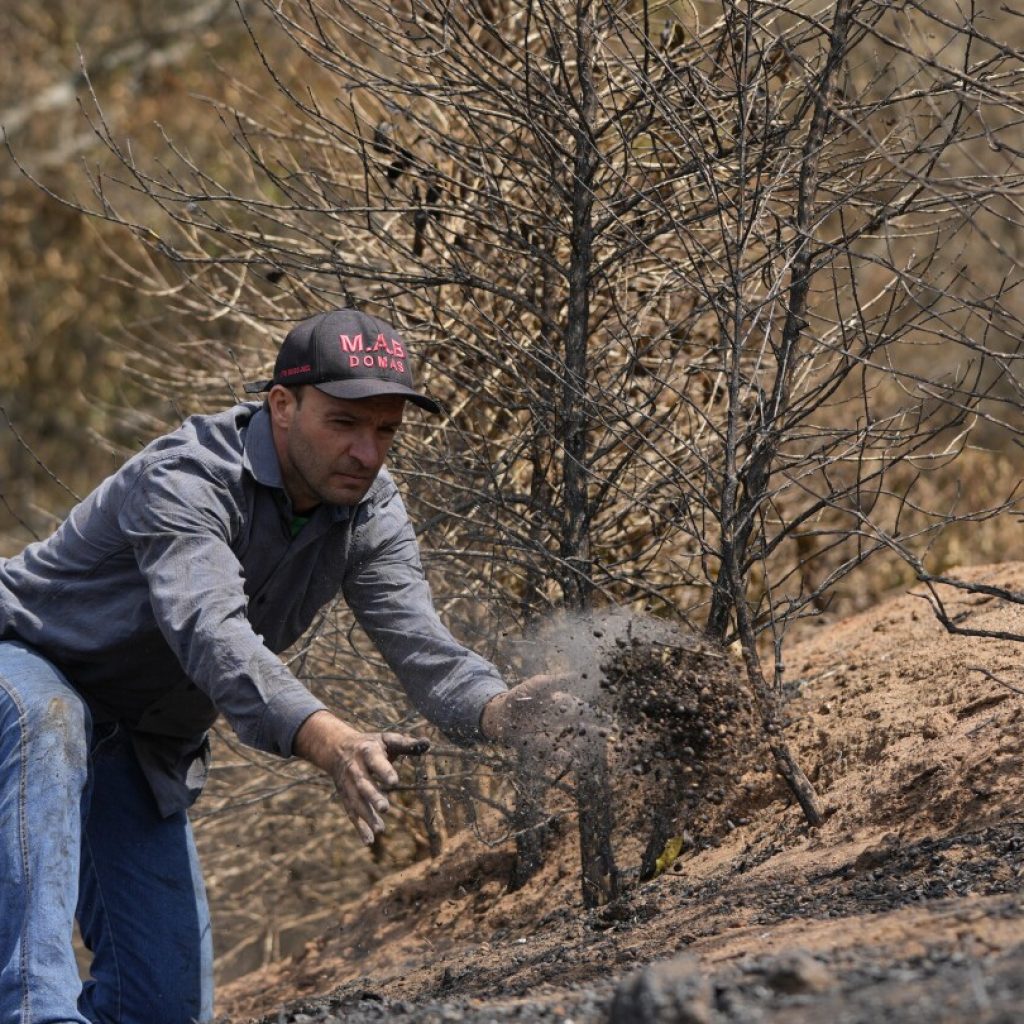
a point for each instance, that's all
(905, 905)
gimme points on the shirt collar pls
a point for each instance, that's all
(260, 458)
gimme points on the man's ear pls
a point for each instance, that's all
(282, 404)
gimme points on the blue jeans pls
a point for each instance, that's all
(80, 837)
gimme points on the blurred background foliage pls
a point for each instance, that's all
(68, 309)
(79, 320)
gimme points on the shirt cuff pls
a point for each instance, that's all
(467, 726)
(284, 717)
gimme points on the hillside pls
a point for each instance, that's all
(906, 905)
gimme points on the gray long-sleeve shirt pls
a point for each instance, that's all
(165, 595)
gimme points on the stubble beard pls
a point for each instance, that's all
(316, 478)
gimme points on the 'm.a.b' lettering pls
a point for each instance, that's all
(392, 346)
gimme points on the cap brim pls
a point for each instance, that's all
(370, 388)
(254, 387)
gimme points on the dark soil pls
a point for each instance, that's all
(565, 972)
(905, 906)
(868, 987)
(682, 733)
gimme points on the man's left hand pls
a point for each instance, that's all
(536, 714)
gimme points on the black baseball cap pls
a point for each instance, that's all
(346, 354)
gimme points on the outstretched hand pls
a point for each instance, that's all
(535, 715)
(360, 763)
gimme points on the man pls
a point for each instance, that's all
(161, 602)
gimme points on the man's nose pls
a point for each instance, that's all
(364, 448)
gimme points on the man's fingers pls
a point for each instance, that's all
(371, 796)
(360, 810)
(377, 765)
(396, 745)
(544, 678)
(365, 805)
(359, 787)
(366, 834)
(364, 769)
(541, 686)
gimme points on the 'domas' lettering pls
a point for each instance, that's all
(379, 362)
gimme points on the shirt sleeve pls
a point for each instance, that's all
(179, 519)
(390, 598)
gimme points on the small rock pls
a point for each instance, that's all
(797, 972)
(667, 992)
(875, 856)
(936, 724)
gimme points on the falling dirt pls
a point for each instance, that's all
(905, 905)
(682, 734)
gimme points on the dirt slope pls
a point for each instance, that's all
(905, 905)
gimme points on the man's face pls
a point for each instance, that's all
(331, 449)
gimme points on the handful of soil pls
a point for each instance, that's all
(684, 732)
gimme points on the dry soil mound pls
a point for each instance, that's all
(905, 905)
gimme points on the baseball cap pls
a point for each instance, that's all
(346, 354)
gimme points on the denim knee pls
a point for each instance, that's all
(39, 706)
(65, 720)
(44, 769)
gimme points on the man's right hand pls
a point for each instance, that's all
(360, 763)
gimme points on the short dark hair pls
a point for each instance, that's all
(296, 389)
